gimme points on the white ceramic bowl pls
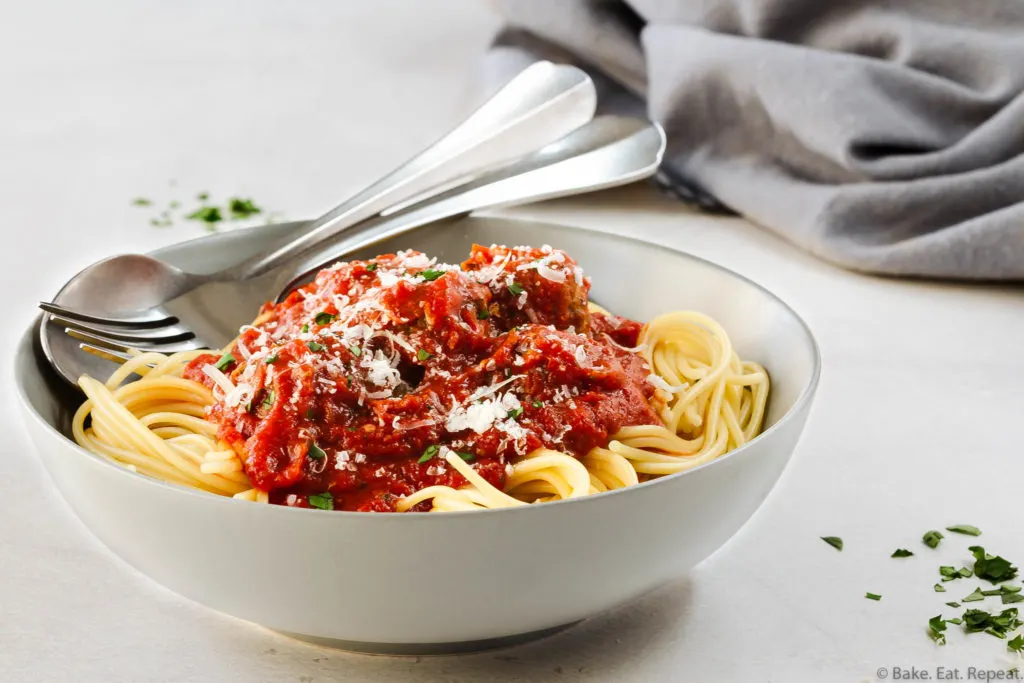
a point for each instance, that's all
(436, 582)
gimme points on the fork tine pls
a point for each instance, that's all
(116, 347)
(105, 354)
(154, 336)
(146, 320)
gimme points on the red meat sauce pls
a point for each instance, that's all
(357, 384)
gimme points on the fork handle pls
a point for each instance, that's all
(607, 152)
(541, 104)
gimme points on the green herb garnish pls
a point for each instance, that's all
(203, 196)
(965, 529)
(305, 328)
(242, 208)
(206, 214)
(225, 360)
(901, 552)
(516, 288)
(272, 358)
(309, 413)
(429, 453)
(483, 314)
(468, 457)
(939, 588)
(976, 596)
(356, 351)
(992, 568)
(322, 501)
(1017, 644)
(423, 354)
(998, 625)
(936, 629)
(142, 201)
(316, 452)
(537, 404)
(371, 266)
(314, 346)
(431, 274)
(932, 538)
(950, 573)
(954, 605)
(873, 596)
(323, 318)
(515, 412)
(834, 541)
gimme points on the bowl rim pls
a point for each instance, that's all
(26, 347)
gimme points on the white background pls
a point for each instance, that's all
(917, 425)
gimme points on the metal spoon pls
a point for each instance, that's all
(609, 151)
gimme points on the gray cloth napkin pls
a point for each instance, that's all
(882, 136)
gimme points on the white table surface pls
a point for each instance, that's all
(917, 424)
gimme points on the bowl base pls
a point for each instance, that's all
(429, 649)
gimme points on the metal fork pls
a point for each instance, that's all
(607, 152)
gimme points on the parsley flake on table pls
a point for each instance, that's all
(937, 629)
(873, 596)
(965, 529)
(932, 538)
(992, 568)
(834, 541)
(242, 208)
(901, 552)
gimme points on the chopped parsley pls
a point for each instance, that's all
(901, 552)
(322, 501)
(203, 196)
(423, 354)
(1017, 644)
(305, 328)
(483, 314)
(950, 573)
(316, 452)
(272, 358)
(309, 413)
(225, 360)
(315, 346)
(516, 288)
(324, 318)
(515, 413)
(965, 529)
(242, 208)
(936, 629)
(268, 400)
(834, 541)
(206, 214)
(356, 351)
(431, 274)
(371, 266)
(954, 605)
(939, 588)
(976, 596)
(429, 453)
(873, 596)
(991, 568)
(468, 457)
(537, 404)
(142, 201)
(932, 538)
(998, 625)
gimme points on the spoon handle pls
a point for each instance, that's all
(541, 104)
(607, 152)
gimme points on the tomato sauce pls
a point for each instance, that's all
(348, 393)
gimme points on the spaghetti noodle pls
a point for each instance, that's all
(337, 417)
